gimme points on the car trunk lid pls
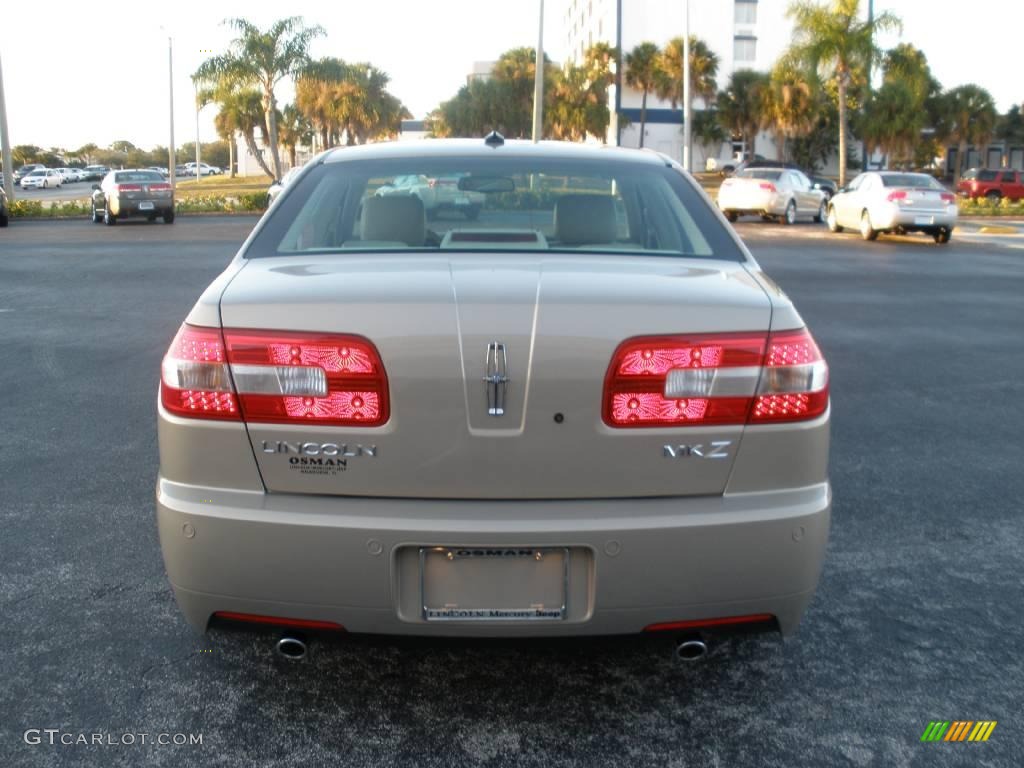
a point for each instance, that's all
(442, 324)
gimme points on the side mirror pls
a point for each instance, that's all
(96, 187)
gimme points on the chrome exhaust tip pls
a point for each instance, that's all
(291, 647)
(691, 649)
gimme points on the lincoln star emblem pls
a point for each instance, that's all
(496, 379)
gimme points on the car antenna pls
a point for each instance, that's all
(494, 139)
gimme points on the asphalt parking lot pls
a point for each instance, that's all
(918, 616)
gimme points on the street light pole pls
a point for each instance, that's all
(198, 167)
(170, 96)
(5, 141)
(687, 108)
(538, 80)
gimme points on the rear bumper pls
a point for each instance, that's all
(753, 204)
(125, 208)
(354, 561)
(892, 217)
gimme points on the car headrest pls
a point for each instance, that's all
(585, 219)
(397, 218)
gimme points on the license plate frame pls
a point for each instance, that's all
(146, 206)
(473, 559)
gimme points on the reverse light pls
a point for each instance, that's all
(710, 379)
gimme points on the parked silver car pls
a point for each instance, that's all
(894, 201)
(586, 412)
(781, 193)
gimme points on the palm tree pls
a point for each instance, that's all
(294, 130)
(972, 120)
(643, 73)
(262, 58)
(240, 112)
(516, 70)
(703, 71)
(791, 106)
(892, 122)
(836, 44)
(315, 91)
(741, 105)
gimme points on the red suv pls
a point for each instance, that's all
(981, 182)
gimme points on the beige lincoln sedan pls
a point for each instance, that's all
(587, 411)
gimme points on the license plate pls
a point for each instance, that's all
(462, 200)
(145, 206)
(924, 219)
(494, 583)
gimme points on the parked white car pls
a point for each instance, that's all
(204, 169)
(894, 201)
(440, 192)
(69, 175)
(42, 178)
(770, 193)
(277, 187)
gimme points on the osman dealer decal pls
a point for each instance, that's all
(318, 458)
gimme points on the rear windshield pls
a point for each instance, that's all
(137, 176)
(494, 204)
(767, 175)
(910, 180)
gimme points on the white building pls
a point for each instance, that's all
(746, 34)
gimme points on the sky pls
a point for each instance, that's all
(103, 77)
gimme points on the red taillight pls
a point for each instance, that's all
(431, 183)
(674, 381)
(194, 378)
(328, 379)
(275, 377)
(767, 185)
(278, 621)
(161, 187)
(948, 197)
(128, 187)
(897, 195)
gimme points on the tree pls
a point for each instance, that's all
(972, 116)
(86, 152)
(577, 102)
(741, 106)
(262, 58)
(791, 105)
(708, 130)
(1010, 127)
(240, 111)
(516, 70)
(643, 73)
(703, 71)
(892, 122)
(337, 98)
(834, 42)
